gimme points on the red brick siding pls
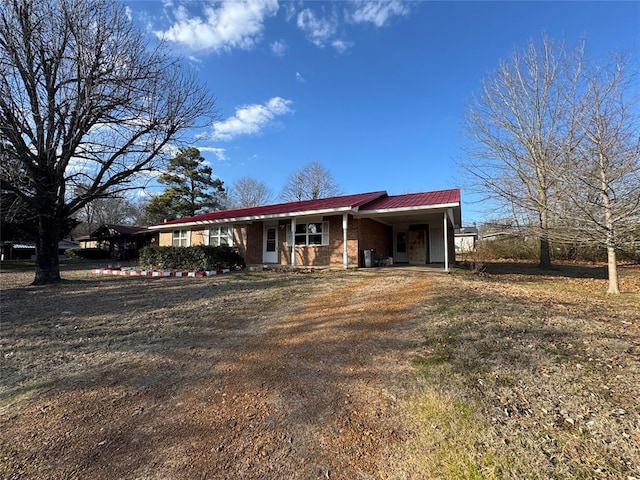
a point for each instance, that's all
(249, 241)
(361, 234)
(197, 237)
(166, 239)
(375, 235)
(323, 255)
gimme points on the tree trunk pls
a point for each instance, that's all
(608, 215)
(613, 271)
(47, 264)
(545, 252)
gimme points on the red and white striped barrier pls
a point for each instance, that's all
(157, 273)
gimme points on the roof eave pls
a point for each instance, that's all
(252, 218)
(410, 209)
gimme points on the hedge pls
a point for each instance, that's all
(198, 258)
(88, 253)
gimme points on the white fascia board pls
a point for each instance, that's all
(409, 209)
(251, 218)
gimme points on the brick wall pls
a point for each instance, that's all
(251, 242)
(375, 235)
(324, 255)
(361, 234)
(166, 239)
(197, 237)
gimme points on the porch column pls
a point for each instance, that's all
(446, 243)
(293, 242)
(345, 252)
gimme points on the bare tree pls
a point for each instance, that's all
(119, 209)
(85, 100)
(604, 184)
(520, 127)
(310, 182)
(249, 192)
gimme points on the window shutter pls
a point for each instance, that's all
(325, 233)
(289, 236)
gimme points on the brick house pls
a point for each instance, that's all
(409, 229)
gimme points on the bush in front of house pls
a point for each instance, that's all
(198, 258)
(91, 253)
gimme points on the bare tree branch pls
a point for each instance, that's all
(84, 100)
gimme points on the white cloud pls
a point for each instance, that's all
(320, 31)
(251, 119)
(229, 24)
(299, 77)
(220, 153)
(341, 45)
(378, 12)
(278, 48)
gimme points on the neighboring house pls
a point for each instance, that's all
(121, 241)
(337, 231)
(465, 239)
(26, 250)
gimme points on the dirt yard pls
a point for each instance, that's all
(352, 375)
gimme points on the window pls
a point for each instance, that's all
(315, 233)
(222, 235)
(401, 242)
(180, 238)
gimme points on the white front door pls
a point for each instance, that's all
(270, 244)
(400, 247)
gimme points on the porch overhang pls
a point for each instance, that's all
(254, 218)
(414, 215)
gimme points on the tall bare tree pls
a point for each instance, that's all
(249, 192)
(85, 100)
(519, 127)
(604, 183)
(309, 183)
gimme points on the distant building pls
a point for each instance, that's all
(465, 239)
(26, 250)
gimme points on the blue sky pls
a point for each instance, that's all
(374, 91)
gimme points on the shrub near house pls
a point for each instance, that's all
(198, 258)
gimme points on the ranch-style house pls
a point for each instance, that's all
(412, 229)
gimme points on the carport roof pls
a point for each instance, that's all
(412, 200)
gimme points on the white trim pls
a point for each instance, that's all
(186, 237)
(291, 215)
(446, 243)
(345, 252)
(327, 211)
(275, 254)
(293, 241)
(451, 217)
(230, 235)
(408, 209)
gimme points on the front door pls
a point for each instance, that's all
(400, 247)
(417, 247)
(270, 248)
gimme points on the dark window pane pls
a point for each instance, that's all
(315, 239)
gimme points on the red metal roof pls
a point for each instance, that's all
(332, 203)
(422, 199)
(365, 201)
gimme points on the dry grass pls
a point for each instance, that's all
(528, 375)
(515, 373)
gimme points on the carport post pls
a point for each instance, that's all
(345, 256)
(446, 243)
(293, 242)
